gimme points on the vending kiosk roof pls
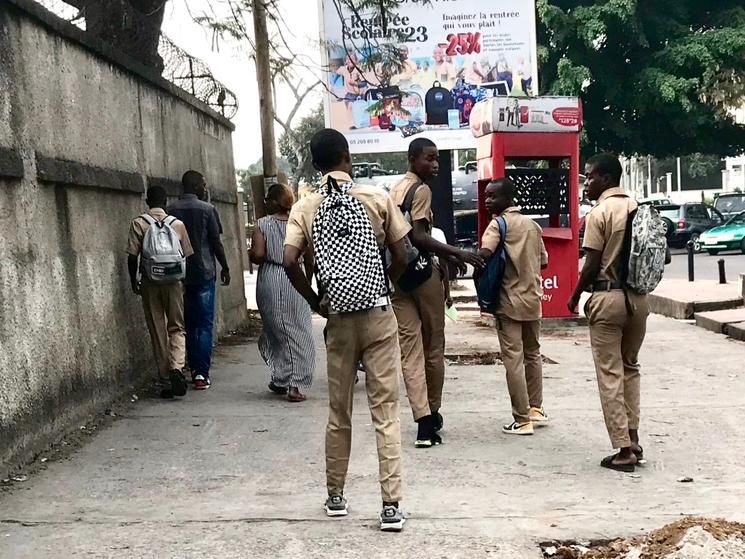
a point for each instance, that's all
(526, 114)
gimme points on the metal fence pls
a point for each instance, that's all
(180, 68)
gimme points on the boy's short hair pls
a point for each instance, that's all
(417, 146)
(327, 148)
(156, 194)
(191, 180)
(607, 164)
(506, 186)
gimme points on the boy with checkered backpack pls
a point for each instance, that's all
(348, 226)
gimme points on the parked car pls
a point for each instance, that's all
(729, 205)
(686, 222)
(730, 236)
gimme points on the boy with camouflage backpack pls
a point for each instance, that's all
(625, 255)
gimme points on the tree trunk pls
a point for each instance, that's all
(131, 26)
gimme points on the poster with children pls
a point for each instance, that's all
(419, 71)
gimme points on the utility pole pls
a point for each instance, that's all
(266, 104)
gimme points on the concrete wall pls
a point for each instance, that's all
(83, 132)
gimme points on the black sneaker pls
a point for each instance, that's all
(178, 382)
(427, 436)
(439, 422)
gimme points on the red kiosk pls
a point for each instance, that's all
(514, 134)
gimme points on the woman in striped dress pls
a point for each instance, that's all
(286, 343)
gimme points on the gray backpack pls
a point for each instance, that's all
(162, 260)
(349, 262)
(644, 249)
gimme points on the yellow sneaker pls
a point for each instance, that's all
(516, 428)
(538, 416)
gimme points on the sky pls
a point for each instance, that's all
(233, 67)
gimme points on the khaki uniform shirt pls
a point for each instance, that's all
(421, 205)
(140, 226)
(520, 297)
(605, 227)
(387, 220)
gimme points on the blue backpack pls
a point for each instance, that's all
(489, 283)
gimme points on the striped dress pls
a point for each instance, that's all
(286, 343)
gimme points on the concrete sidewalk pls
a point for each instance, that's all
(236, 472)
(681, 299)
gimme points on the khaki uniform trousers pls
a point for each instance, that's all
(164, 316)
(371, 337)
(616, 338)
(421, 333)
(521, 354)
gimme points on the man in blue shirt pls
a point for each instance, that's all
(203, 225)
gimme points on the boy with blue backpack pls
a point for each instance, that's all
(510, 288)
(158, 246)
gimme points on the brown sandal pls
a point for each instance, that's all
(295, 396)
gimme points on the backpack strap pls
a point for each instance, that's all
(169, 219)
(502, 224)
(150, 219)
(409, 198)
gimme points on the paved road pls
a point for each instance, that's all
(235, 472)
(705, 266)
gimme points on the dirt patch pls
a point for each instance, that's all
(477, 358)
(249, 331)
(72, 440)
(702, 538)
(482, 358)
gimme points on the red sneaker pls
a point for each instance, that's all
(201, 382)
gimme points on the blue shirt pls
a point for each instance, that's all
(203, 225)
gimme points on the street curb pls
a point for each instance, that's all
(685, 310)
(720, 321)
(736, 331)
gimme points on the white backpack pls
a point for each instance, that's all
(645, 247)
(162, 259)
(349, 261)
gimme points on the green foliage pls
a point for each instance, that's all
(655, 76)
(295, 147)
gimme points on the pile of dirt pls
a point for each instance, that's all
(690, 538)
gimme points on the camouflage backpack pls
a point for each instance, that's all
(644, 248)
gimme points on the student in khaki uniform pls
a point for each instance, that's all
(421, 311)
(519, 310)
(368, 335)
(163, 304)
(617, 317)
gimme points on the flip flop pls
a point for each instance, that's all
(607, 462)
(281, 390)
(295, 396)
(639, 455)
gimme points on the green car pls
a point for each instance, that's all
(730, 236)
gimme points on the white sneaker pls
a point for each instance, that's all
(336, 505)
(392, 519)
(516, 428)
(538, 416)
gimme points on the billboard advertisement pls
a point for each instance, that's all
(420, 71)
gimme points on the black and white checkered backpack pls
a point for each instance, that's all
(349, 261)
